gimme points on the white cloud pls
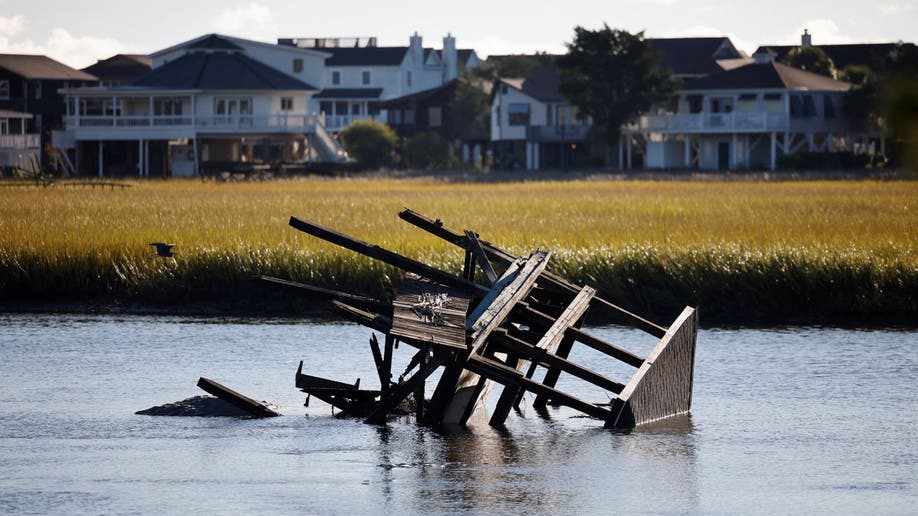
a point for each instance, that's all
(895, 9)
(12, 26)
(75, 51)
(823, 30)
(253, 21)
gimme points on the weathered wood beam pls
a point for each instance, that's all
(481, 257)
(253, 407)
(436, 228)
(324, 293)
(384, 255)
(402, 391)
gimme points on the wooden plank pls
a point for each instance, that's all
(371, 320)
(481, 257)
(444, 391)
(380, 366)
(256, 408)
(571, 316)
(402, 391)
(583, 337)
(428, 312)
(662, 387)
(384, 255)
(490, 313)
(325, 293)
(436, 228)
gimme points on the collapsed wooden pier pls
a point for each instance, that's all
(495, 328)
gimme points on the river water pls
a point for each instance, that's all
(800, 420)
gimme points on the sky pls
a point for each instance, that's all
(80, 32)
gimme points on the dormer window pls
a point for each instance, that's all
(365, 77)
(335, 77)
(408, 78)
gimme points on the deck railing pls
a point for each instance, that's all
(712, 122)
(217, 123)
(20, 141)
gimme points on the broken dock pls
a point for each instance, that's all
(493, 327)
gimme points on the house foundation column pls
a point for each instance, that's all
(621, 153)
(688, 151)
(734, 155)
(628, 152)
(774, 151)
(101, 168)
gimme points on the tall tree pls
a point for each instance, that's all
(613, 76)
(811, 59)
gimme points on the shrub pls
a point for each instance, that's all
(370, 143)
(427, 150)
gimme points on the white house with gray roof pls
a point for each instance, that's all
(211, 99)
(358, 74)
(743, 117)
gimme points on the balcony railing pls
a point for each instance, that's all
(278, 122)
(20, 141)
(337, 122)
(556, 133)
(712, 122)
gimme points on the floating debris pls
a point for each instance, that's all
(496, 332)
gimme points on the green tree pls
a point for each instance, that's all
(810, 59)
(613, 76)
(469, 110)
(427, 150)
(370, 143)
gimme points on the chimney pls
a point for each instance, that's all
(417, 47)
(450, 58)
(806, 39)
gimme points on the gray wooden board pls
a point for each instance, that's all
(662, 386)
(254, 407)
(429, 312)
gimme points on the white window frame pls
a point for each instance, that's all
(286, 103)
(4, 89)
(335, 78)
(366, 77)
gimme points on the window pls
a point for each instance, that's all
(167, 106)
(341, 108)
(408, 78)
(694, 103)
(286, 103)
(4, 89)
(796, 105)
(828, 107)
(434, 116)
(4, 126)
(396, 115)
(774, 103)
(297, 65)
(37, 89)
(809, 107)
(518, 114)
(748, 103)
(37, 121)
(503, 89)
(372, 108)
(325, 106)
(408, 119)
(365, 77)
(336, 77)
(355, 109)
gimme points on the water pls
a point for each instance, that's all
(784, 421)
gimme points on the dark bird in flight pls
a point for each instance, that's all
(163, 249)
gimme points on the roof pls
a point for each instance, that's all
(349, 93)
(219, 71)
(120, 67)
(41, 67)
(422, 95)
(366, 56)
(465, 54)
(842, 55)
(543, 84)
(214, 42)
(693, 56)
(7, 113)
(766, 76)
(730, 64)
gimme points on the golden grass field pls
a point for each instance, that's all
(691, 239)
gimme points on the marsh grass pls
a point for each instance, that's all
(834, 251)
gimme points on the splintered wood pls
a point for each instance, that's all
(496, 333)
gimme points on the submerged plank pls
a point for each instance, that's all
(256, 408)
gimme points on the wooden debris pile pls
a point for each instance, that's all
(500, 330)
